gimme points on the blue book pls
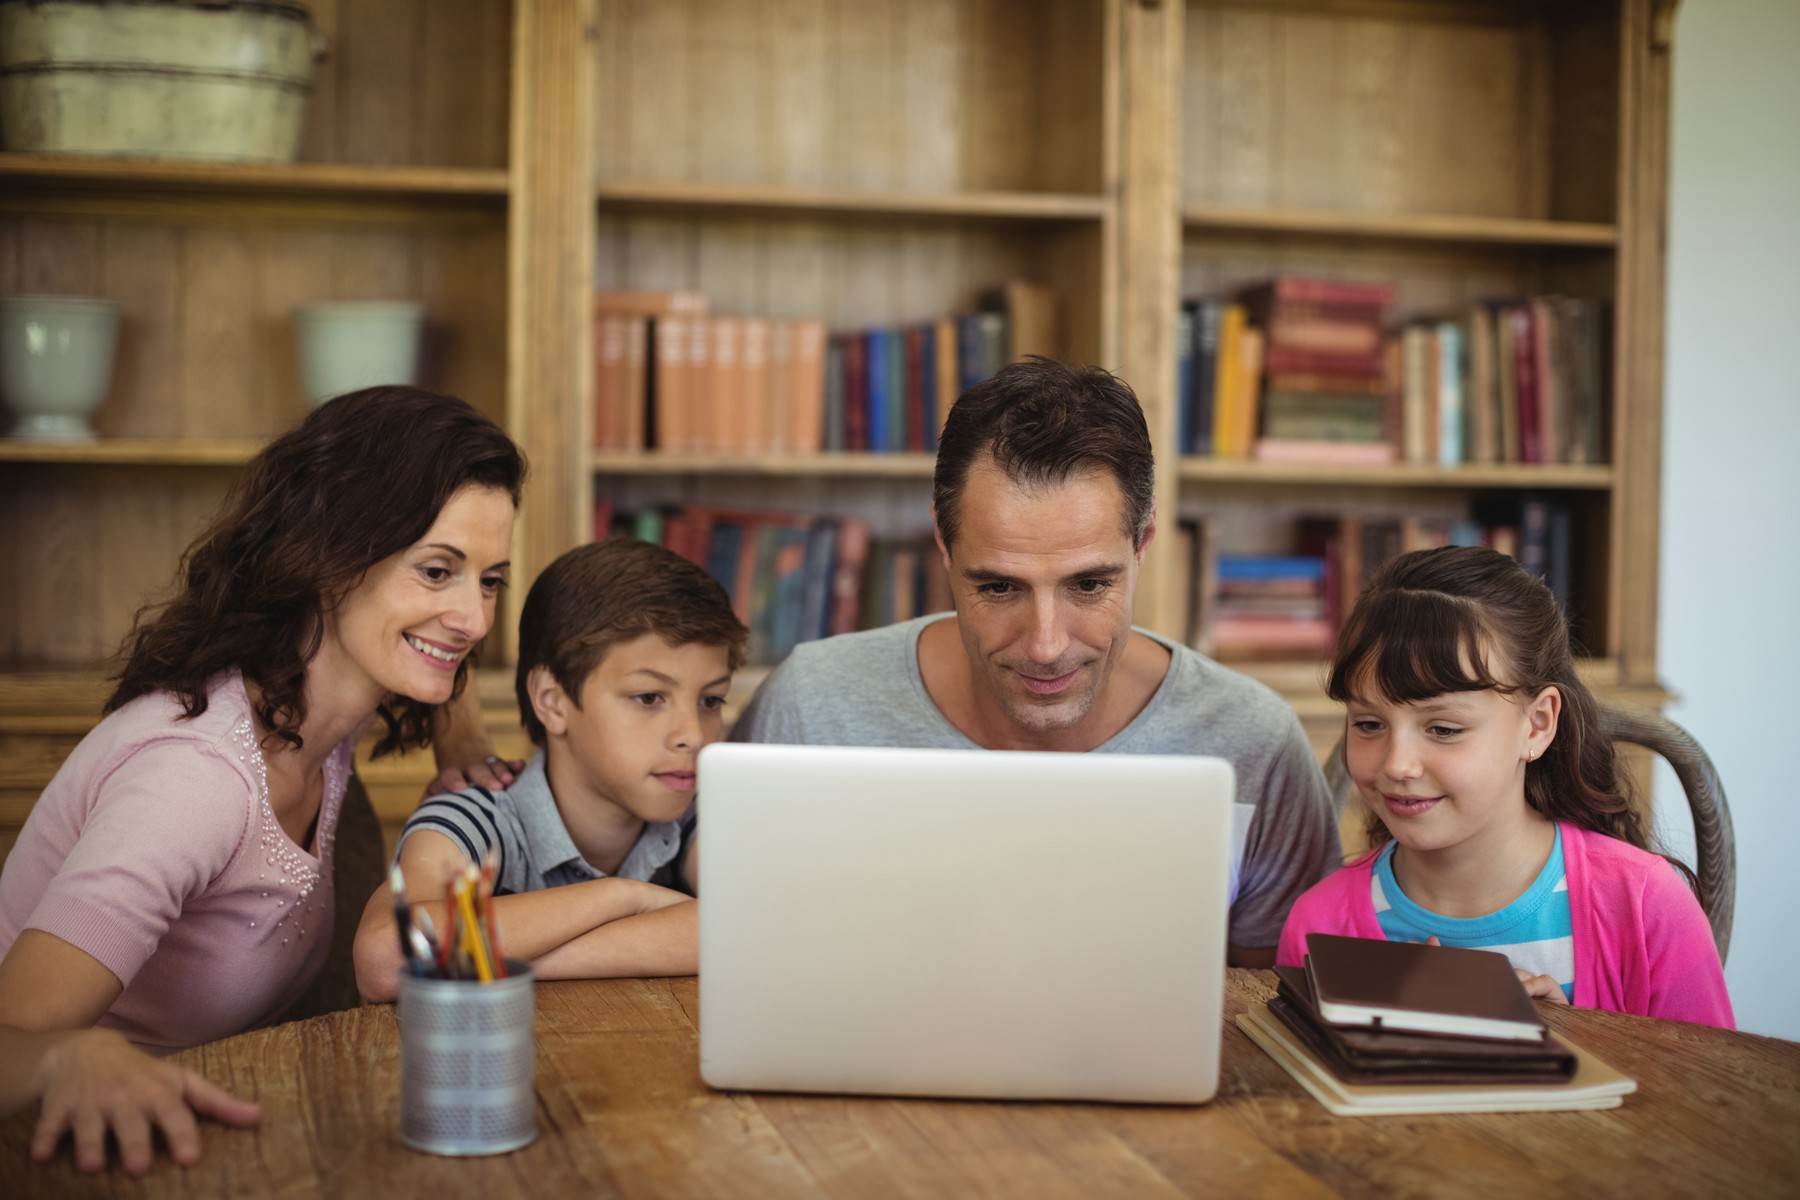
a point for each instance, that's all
(1184, 380)
(928, 386)
(1248, 568)
(896, 395)
(879, 401)
(820, 572)
(1206, 371)
(722, 550)
(968, 352)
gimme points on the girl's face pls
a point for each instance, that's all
(406, 628)
(1449, 769)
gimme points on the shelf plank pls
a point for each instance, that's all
(1407, 227)
(76, 172)
(148, 452)
(832, 464)
(1014, 206)
(1511, 475)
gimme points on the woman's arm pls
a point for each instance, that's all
(531, 924)
(464, 751)
(92, 1081)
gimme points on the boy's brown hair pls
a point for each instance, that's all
(599, 595)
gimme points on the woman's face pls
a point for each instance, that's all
(406, 628)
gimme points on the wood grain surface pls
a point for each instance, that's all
(622, 1111)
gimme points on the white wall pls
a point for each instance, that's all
(1730, 644)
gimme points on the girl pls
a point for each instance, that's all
(173, 883)
(1499, 815)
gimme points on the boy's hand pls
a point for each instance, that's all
(1541, 987)
(492, 772)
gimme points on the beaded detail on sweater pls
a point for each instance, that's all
(283, 864)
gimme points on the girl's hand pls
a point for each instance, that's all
(93, 1081)
(1541, 987)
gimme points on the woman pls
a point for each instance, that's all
(172, 885)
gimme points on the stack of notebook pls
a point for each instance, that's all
(1373, 1026)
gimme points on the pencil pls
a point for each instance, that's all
(472, 936)
(488, 873)
(402, 919)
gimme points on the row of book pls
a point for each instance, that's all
(1520, 382)
(671, 375)
(794, 578)
(1302, 370)
(1290, 605)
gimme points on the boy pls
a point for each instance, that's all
(626, 652)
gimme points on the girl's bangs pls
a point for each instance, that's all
(1428, 644)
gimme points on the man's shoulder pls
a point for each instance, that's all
(869, 669)
(1203, 690)
(855, 689)
(852, 652)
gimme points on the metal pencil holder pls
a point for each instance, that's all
(466, 1064)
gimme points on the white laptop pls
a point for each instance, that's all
(963, 923)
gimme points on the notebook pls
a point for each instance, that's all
(1594, 1084)
(1372, 983)
(1388, 1056)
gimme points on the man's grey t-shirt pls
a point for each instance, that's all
(865, 689)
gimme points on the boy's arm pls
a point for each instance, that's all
(654, 944)
(530, 924)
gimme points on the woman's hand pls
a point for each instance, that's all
(93, 1081)
(491, 772)
(1541, 987)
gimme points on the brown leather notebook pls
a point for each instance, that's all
(1374, 983)
(1388, 1056)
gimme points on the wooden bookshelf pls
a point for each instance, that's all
(66, 173)
(1525, 477)
(143, 452)
(866, 165)
(1404, 227)
(798, 466)
(704, 197)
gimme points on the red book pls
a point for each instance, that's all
(856, 394)
(846, 582)
(1325, 291)
(1286, 360)
(915, 389)
(1525, 382)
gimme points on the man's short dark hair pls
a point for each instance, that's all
(1043, 421)
(597, 596)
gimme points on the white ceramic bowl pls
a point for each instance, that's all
(347, 345)
(56, 356)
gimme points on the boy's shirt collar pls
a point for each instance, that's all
(550, 845)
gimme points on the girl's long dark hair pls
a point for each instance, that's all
(1429, 624)
(362, 478)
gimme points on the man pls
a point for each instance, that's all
(1043, 505)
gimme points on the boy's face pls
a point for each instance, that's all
(646, 710)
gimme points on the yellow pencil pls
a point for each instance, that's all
(472, 929)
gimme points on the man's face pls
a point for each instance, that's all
(1043, 578)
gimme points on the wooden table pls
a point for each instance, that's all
(622, 1111)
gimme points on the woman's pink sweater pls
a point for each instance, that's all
(154, 850)
(1642, 943)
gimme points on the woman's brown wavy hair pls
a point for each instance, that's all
(362, 478)
(1431, 621)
